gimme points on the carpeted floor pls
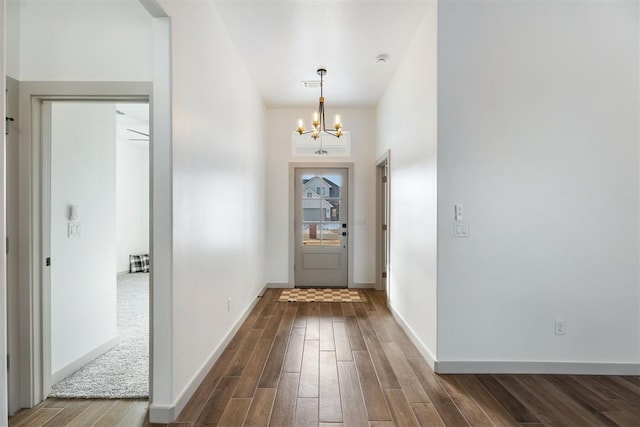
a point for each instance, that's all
(122, 372)
(321, 295)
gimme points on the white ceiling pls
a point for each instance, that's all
(282, 43)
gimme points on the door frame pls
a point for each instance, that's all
(301, 251)
(34, 167)
(383, 209)
(11, 220)
(3, 220)
(291, 219)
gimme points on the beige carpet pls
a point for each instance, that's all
(123, 371)
(321, 295)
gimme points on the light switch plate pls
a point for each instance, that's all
(460, 229)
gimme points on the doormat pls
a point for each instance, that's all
(321, 295)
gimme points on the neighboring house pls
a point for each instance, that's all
(322, 186)
(315, 206)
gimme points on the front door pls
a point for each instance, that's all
(321, 212)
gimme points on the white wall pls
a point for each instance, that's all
(132, 191)
(218, 193)
(83, 269)
(538, 138)
(281, 122)
(77, 41)
(406, 123)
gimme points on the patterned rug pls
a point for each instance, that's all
(321, 295)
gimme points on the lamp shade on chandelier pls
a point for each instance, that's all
(318, 123)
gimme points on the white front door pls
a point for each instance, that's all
(321, 212)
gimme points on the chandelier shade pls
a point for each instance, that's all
(318, 123)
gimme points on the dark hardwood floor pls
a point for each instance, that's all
(350, 364)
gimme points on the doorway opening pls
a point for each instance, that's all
(382, 223)
(73, 226)
(95, 239)
(96, 217)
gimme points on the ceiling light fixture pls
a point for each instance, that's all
(318, 123)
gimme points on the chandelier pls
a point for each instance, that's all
(318, 124)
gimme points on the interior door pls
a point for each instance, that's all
(321, 212)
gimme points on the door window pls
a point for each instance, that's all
(321, 210)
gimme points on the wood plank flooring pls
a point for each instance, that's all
(350, 364)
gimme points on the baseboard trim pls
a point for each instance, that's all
(513, 367)
(509, 367)
(167, 414)
(83, 360)
(278, 285)
(162, 414)
(362, 286)
(424, 351)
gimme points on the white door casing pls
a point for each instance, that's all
(34, 232)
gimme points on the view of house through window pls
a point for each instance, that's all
(321, 210)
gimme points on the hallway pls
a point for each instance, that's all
(332, 364)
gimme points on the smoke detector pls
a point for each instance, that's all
(382, 58)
